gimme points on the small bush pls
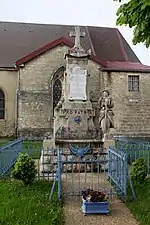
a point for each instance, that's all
(139, 170)
(24, 169)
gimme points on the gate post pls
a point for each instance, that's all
(125, 174)
(59, 173)
(109, 162)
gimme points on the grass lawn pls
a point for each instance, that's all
(28, 205)
(141, 207)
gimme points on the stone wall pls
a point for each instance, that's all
(34, 113)
(35, 109)
(95, 84)
(132, 109)
(36, 98)
(8, 83)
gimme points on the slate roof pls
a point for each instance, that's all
(18, 40)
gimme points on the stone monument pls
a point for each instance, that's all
(106, 114)
(106, 120)
(48, 160)
(74, 115)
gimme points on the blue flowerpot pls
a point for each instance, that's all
(95, 207)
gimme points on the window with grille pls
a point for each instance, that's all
(133, 83)
(57, 89)
(57, 86)
(2, 105)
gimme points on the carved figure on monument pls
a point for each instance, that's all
(106, 114)
(48, 136)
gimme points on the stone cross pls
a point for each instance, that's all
(77, 34)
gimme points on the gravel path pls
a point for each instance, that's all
(120, 214)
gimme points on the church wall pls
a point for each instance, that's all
(95, 87)
(36, 100)
(132, 109)
(95, 80)
(38, 73)
(8, 83)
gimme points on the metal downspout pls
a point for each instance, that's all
(16, 104)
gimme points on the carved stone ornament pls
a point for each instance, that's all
(48, 136)
(106, 105)
(77, 49)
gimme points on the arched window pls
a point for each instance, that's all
(57, 90)
(2, 105)
(57, 86)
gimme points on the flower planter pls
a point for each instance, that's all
(95, 207)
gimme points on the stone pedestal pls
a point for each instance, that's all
(108, 143)
(49, 144)
(74, 116)
(48, 160)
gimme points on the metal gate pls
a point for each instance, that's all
(80, 169)
(117, 170)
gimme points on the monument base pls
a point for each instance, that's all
(108, 143)
(48, 160)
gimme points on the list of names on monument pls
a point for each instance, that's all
(77, 84)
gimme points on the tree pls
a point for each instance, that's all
(136, 14)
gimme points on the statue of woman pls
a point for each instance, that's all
(106, 114)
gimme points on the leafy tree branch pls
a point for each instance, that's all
(136, 14)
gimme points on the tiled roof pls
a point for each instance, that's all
(20, 40)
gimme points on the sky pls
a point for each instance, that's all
(72, 12)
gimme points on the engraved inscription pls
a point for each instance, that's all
(77, 84)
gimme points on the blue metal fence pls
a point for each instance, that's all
(76, 171)
(117, 170)
(8, 155)
(10, 151)
(134, 149)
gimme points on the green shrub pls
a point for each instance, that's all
(24, 169)
(139, 170)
